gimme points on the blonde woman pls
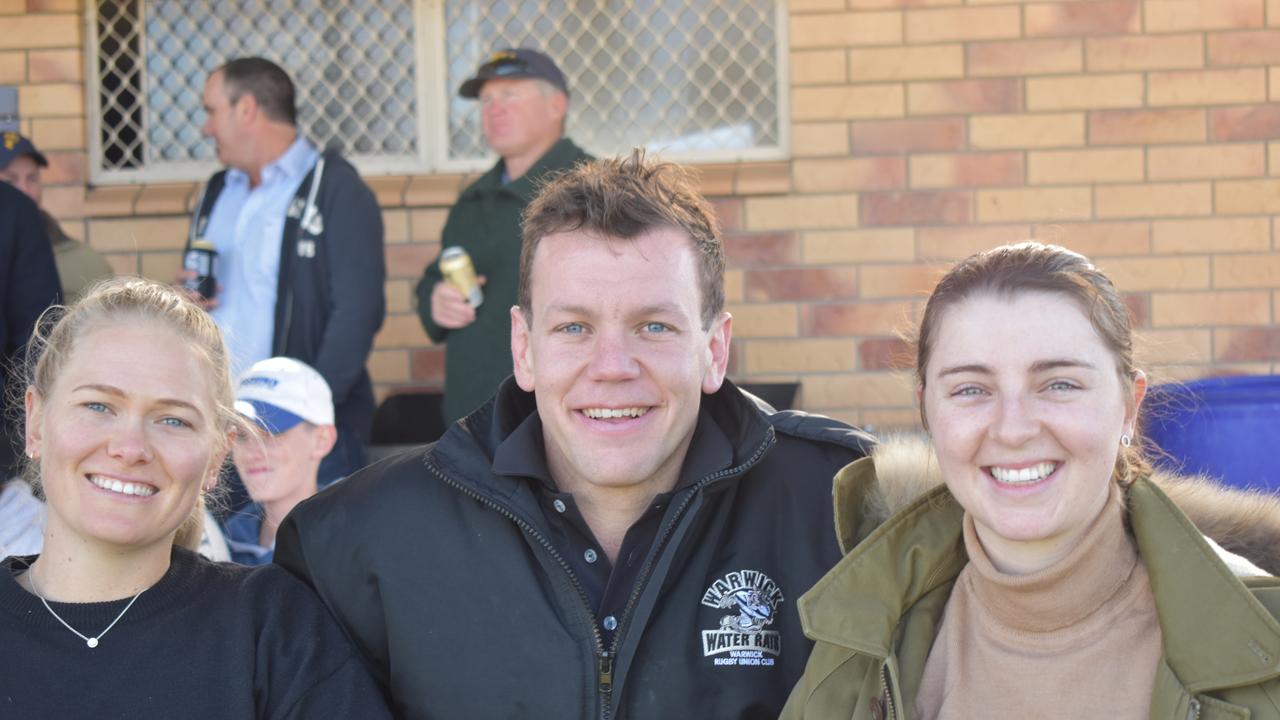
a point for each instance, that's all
(128, 419)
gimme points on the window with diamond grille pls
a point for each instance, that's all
(696, 79)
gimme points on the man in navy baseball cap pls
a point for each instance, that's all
(524, 100)
(79, 266)
(515, 63)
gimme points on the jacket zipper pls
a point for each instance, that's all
(1193, 710)
(604, 659)
(642, 580)
(890, 711)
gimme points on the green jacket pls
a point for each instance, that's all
(875, 615)
(486, 222)
(79, 265)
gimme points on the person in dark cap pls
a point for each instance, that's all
(79, 265)
(524, 99)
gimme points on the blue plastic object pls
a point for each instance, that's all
(1227, 427)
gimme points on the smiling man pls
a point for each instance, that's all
(620, 532)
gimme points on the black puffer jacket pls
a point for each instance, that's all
(444, 574)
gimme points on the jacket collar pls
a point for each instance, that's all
(1216, 634)
(859, 603)
(469, 450)
(561, 155)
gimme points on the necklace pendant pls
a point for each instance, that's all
(91, 642)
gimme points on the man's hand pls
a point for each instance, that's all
(180, 281)
(449, 307)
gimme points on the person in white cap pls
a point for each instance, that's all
(293, 406)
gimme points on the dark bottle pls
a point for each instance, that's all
(199, 260)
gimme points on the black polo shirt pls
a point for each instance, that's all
(608, 586)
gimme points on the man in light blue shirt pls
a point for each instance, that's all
(245, 228)
(300, 266)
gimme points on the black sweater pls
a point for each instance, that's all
(210, 640)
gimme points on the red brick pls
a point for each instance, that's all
(1247, 345)
(955, 243)
(1025, 57)
(728, 213)
(1139, 306)
(1245, 122)
(882, 172)
(1138, 127)
(64, 168)
(752, 250)
(1096, 239)
(899, 136)
(888, 353)
(917, 208)
(1083, 18)
(406, 260)
(427, 365)
(1260, 47)
(849, 319)
(800, 284)
(964, 96)
(967, 170)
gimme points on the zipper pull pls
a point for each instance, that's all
(606, 674)
(1193, 710)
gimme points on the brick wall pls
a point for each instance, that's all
(1145, 134)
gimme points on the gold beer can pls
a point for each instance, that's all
(455, 265)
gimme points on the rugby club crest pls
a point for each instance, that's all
(752, 599)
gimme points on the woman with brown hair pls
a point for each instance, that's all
(1049, 578)
(128, 419)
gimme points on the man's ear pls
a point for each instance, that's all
(324, 438)
(559, 105)
(35, 413)
(718, 338)
(521, 351)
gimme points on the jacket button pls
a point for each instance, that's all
(877, 709)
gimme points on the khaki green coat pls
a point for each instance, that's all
(875, 615)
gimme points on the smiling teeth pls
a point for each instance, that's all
(606, 413)
(124, 488)
(1023, 476)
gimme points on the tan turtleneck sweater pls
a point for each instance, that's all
(1077, 639)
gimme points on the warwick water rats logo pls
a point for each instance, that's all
(752, 599)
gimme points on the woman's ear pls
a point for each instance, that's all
(34, 413)
(1134, 403)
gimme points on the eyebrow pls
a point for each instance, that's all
(665, 308)
(117, 392)
(1036, 367)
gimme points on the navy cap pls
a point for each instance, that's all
(515, 63)
(14, 146)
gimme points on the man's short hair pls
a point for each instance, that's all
(267, 82)
(626, 197)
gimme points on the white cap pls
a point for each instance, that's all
(280, 392)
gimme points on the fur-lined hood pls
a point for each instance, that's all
(1246, 523)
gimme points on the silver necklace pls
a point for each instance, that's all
(92, 642)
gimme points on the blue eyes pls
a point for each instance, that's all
(651, 328)
(175, 422)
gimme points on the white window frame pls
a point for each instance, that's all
(432, 156)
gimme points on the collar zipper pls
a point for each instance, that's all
(889, 710)
(1193, 709)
